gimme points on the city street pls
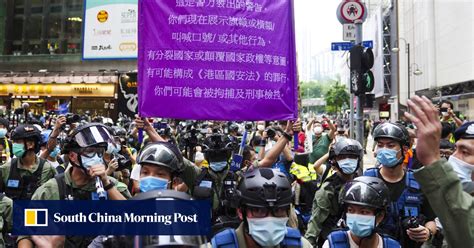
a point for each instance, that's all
(206, 111)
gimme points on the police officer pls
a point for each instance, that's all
(6, 224)
(161, 165)
(217, 183)
(160, 177)
(364, 200)
(21, 176)
(454, 208)
(407, 203)
(345, 157)
(265, 197)
(84, 148)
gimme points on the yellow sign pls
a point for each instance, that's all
(102, 16)
(58, 90)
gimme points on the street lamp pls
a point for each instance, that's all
(417, 71)
(396, 49)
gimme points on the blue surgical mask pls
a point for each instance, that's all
(268, 231)
(388, 157)
(361, 225)
(463, 169)
(112, 149)
(348, 165)
(150, 183)
(91, 161)
(3, 132)
(55, 152)
(18, 150)
(218, 166)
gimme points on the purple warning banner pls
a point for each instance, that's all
(217, 59)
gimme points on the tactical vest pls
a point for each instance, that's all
(21, 187)
(408, 204)
(331, 222)
(340, 239)
(224, 215)
(228, 239)
(205, 186)
(67, 192)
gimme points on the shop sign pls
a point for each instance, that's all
(58, 90)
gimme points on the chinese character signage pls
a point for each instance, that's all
(217, 59)
(110, 29)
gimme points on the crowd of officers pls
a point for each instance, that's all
(311, 192)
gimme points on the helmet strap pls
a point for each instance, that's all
(79, 158)
(26, 150)
(400, 161)
(244, 218)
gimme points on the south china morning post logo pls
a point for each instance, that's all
(99, 217)
(36, 217)
(111, 218)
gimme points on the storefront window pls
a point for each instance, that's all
(63, 31)
(18, 30)
(74, 5)
(54, 26)
(19, 3)
(73, 26)
(33, 29)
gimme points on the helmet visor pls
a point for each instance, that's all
(93, 135)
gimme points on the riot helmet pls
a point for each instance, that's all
(365, 191)
(264, 187)
(27, 132)
(217, 148)
(393, 131)
(350, 148)
(167, 240)
(162, 154)
(89, 135)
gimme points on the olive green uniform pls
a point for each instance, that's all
(50, 190)
(454, 207)
(48, 171)
(326, 210)
(6, 225)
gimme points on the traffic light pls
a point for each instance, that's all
(362, 78)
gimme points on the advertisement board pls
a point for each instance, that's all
(110, 29)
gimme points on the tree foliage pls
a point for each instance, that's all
(336, 97)
(311, 90)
